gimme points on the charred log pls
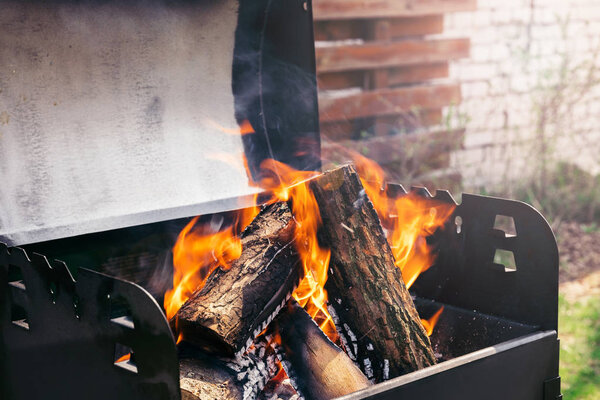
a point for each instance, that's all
(365, 287)
(317, 368)
(234, 306)
(204, 376)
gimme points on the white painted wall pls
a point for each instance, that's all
(517, 47)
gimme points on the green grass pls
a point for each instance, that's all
(579, 332)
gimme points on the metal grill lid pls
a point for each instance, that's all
(115, 114)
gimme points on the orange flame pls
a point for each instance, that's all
(430, 323)
(245, 128)
(286, 184)
(124, 357)
(408, 220)
(199, 250)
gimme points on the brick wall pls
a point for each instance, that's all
(528, 96)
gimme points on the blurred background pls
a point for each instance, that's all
(494, 97)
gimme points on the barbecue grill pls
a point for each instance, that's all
(143, 73)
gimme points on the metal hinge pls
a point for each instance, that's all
(552, 389)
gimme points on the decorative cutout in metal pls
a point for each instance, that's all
(58, 336)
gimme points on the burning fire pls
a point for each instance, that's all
(199, 250)
(204, 246)
(408, 220)
(287, 184)
(429, 324)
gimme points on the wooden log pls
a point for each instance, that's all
(234, 306)
(365, 287)
(201, 379)
(318, 369)
(207, 377)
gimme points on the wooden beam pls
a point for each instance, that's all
(417, 26)
(389, 54)
(352, 9)
(350, 129)
(381, 32)
(399, 28)
(387, 101)
(417, 73)
(339, 30)
(420, 152)
(341, 80)
(396, 76)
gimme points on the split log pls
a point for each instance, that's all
(234, 306)
(207, 377)
(318, 369)
(201, 379)
(365, 288)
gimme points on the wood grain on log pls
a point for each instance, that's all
(365, 288)
(206, 377)
(317, 367)
(234, 306)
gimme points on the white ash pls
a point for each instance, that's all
(254, 368)
(350, 333)
(267, 321)
(346, 347)
(334, 316)
(361, 199)
(368, 368)
(386, 369)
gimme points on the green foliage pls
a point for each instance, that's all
(569, 194)
(579, 331)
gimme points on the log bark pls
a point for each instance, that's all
(375, 312)
(207, 377)
(199, 379)
(318, 369)
(234, 306)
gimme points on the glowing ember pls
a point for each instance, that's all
(430, 323)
